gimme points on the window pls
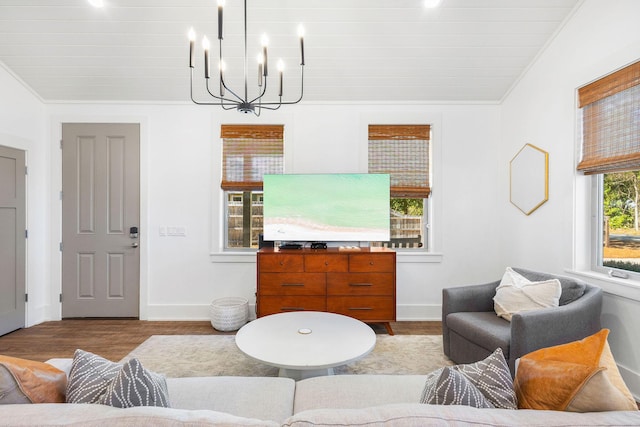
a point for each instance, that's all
(610, 110)
(403, 152)
(248, 152)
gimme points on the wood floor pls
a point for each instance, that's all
(115, 338)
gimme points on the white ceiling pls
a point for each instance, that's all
(355, 50)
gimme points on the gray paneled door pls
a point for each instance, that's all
(100, 209)
(12, 239)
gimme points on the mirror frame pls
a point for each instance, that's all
(529, 178)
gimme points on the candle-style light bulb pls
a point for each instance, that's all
(281, 74)
(301, 35)
(206, 46)
(260, 60)
(265, 42)
(192, 42)
(220, 7)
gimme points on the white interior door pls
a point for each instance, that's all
(101, 214)
(12, 239)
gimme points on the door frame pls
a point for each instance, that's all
(56, 204)
(23, 221)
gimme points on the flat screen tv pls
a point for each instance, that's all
(326, 207)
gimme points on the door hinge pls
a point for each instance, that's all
(60, 246)
(61, 194)
(26, 170)
(26, 297)
(60, 297)
(61, 144)
(26, 234)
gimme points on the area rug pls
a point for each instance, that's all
(210, 355)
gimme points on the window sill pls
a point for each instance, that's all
(626, 288)
(401, 257)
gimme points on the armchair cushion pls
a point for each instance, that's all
(517, 294)
(495, 332)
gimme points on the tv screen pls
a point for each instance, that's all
(326, 207)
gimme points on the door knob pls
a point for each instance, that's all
(134, 245)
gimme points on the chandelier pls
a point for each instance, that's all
(230, 99)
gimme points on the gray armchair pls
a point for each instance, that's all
(471, 330)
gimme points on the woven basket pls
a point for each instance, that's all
(229, 314)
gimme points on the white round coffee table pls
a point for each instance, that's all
(305, 344)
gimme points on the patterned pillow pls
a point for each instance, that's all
(136, 386)
(450, 387)
(89, 377)
(491, 377)
(94, 379)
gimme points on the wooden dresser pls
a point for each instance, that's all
(359, 283)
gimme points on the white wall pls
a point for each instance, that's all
(601, 37)
(180, 187)
(22, 126)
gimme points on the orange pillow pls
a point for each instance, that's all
(28, 381)
(580, 376)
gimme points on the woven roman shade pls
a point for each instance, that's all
(248, 153)
(403, 152)
(611, 122)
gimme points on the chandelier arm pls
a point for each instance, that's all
(268, 106)
(202, 102)
(228, 101)
(264, 90)
(290, 102)
(239, 98)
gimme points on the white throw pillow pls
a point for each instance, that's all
(516, 294)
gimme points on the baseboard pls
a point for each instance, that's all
(418, 312)
(404, 312)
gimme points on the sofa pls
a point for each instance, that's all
(341, 400)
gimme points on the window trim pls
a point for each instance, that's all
(431, 251)
(597, 251)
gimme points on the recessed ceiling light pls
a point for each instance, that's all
(431, 3)
(96, 3)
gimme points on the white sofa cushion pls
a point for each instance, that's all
(357, 391)
(265, 398)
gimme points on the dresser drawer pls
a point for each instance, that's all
(281, 263)
(281, 304)
(360, 284)
(372, 262)
(292, 284)
(366, 308)
(322, 263)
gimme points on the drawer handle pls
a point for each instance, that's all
(360, 284)
(292, 308)
(360, 308)
(370, 262)
(326, 263)
(292, 284)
